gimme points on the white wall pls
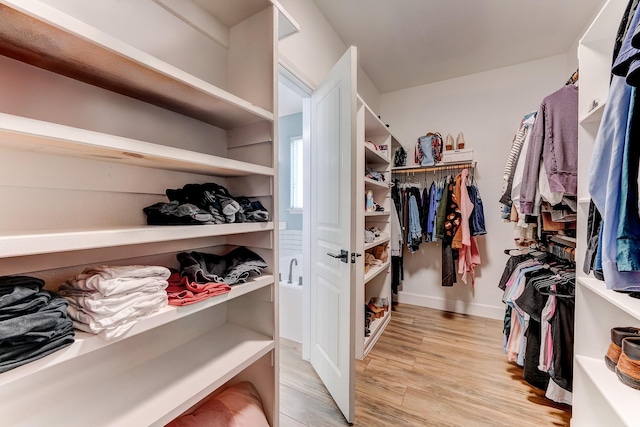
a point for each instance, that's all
(313, 51)
(487, 107)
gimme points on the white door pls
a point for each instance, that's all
(332, 216)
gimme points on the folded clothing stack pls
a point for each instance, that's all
(208, 203)
(234, 267)
(183, 291)
(109, 300)
(33, 321)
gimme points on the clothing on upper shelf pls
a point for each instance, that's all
(208, 203)
(231, 268)
(33, 321)
(110, 300)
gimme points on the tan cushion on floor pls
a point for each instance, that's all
(237, 406)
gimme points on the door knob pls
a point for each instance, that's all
(342, 256)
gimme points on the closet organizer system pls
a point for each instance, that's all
(418, 222)
(373, 291)
(539, 198)
(101, 113)
(600, 398)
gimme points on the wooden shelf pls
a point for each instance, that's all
(37, 34)
(160, 389)
(372, 156)
(434, 168)
(26, 134)
(377, 327)
(50, 241)
(620, 300)
(593, 116)
(86, 343)
(374, 270)
(370, 214)
(620, 398)
(372, 183)
(376, 242)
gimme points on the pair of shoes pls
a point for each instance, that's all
(623, 355)
(459, 144)
(380, 252)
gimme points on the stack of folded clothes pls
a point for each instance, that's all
(33, 321)
(208, 203)
(234, 267)
(109, 300)
(184, 291)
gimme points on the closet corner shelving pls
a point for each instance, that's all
(376, 282)
(599, 398)
(109, 117)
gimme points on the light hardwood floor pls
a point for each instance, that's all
(429, 368)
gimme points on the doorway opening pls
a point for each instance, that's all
(293, 229)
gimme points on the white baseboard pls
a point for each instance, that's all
(463, 307)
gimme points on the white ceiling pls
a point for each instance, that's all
(405, 43)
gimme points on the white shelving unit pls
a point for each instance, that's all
(599, 398)
(106, 105)
(377, 281)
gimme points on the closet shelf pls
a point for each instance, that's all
(86, 343)
(373, 126)
(376, 242)
(373, 157)
(372, 183)
(385, 213)
(593, 116)
(374, 270)
(376, 327)
(13, 244)
(165, 386)
(435, 168)
(621, 300)
(26, 134)
(37, 34)
(621, 398)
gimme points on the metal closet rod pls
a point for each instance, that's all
(434, 168)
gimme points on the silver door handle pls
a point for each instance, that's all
(342, 256)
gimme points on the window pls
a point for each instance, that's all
(296, 173)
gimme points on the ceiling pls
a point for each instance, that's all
(405, 43)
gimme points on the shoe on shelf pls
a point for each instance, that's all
(460, 142)
(615, 348)
(448, 145)
(628, 367)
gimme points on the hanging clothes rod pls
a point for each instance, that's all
(452, 166)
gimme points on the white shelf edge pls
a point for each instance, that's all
(86, 343)
(623, 301)
(621, 398)
(369, 214)
(593, 116)
(42, 242)
(160, 389)
(374, 270)
(132, 61)
(374, 183)
(26, 134)
(373, 156)
(376, 327)
(376, 242)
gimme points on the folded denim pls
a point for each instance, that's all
(231, 268)
(174, 213)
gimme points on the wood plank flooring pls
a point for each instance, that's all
(429, 368)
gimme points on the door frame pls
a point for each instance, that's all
(297, 81)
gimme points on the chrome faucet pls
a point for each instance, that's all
(293, 260)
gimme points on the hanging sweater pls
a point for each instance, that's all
(554, 139)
